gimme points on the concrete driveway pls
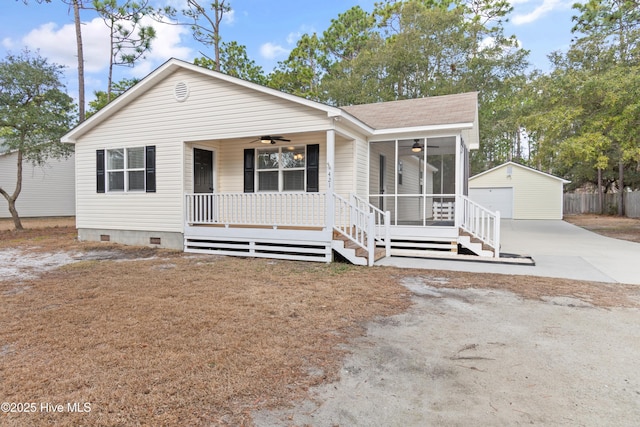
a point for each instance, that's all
(558, 248)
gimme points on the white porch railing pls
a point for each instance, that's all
(382, 222)
(363, 224)
(480, 223)
(263, 209)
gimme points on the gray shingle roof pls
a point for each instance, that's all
(434, 110)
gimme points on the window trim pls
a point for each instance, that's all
(109, 171)
(281, 169)
(128, 170)
(148, 170)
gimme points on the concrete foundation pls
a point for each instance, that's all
(156, 239)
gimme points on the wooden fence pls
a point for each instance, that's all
(587, 203)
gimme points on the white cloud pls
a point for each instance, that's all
(272, 51)
(487, 43)
(292, 38)
(8, 43)
(166, 45)
(540, 11)
(58, 44)
(229, 17)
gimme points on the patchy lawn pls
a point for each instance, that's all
(611, 226)
(156, 337)
(30, 223)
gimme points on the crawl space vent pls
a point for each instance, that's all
(181, 91)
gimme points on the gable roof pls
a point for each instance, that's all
(441, 112)
(419, 112)
(564, 181)
(169, 67)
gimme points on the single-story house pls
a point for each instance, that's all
(196, 160)
(47, 190)
(518, 192)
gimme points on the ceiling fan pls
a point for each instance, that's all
(418, 147)
(271, 139)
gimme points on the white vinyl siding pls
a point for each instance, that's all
(536, 195)
(344, 184)
(47, 190)
(214, 111)
(362, 168)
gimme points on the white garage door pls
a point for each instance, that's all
(494, 199)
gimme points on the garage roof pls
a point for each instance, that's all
(564, 181)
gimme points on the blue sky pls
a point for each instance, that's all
(268, 28)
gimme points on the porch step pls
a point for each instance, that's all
(352, 252)
(474, 245)
(424, 244)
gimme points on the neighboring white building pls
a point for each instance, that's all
(47, 190)
(518, 192)
(193, 159)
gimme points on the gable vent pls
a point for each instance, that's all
(181, 91)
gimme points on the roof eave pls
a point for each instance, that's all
(422, 129)
(564, 181)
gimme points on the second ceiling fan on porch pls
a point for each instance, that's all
(271, 139)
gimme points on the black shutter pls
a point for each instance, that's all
(313, 162)
(150, 168)
(249, 168)
(100, 176)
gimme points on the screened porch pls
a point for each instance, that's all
(417, 180)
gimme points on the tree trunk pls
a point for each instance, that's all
(11, 199)
(81, 97)
(600, 195)
(14, 214)
(621, 188)
(111, 61)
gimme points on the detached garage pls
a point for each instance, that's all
(518, 192)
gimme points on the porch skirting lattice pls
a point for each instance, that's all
(261, 248)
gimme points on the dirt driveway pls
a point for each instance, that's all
(462, 357)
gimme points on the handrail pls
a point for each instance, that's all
(480, 222)
(382, 222)
(361, 222)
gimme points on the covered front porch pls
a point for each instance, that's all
(309, 195)
(280, 197)
(314, 226)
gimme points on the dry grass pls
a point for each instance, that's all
(31, 223)
(611, 226)
(179, 340)
(199, 340)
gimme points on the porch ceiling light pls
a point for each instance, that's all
(416, 147)
(266, 140)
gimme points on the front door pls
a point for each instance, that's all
(202, 171)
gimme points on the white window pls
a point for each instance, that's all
(135, 169)
(125, 169)
(281, 169)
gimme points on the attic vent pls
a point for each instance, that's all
(181, 91)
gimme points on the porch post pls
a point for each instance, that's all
(459, 185)
(330, 208)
